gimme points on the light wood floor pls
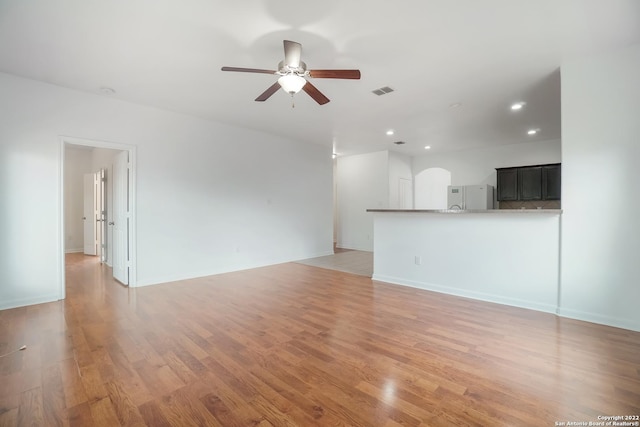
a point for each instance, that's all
(348, 261)
(297, 345)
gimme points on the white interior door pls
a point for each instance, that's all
(121, 218)
(101, 176)
(89, 218)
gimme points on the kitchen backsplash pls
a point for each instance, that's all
(533, 204)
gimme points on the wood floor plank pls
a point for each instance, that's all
(31, 411)
(219, 410)
(277, 386)
(93, 383)
(54, 407)
(9, 417)
(152, 415)
(159, 380)
(103, 413)
(9, 406)
(80, 416)
(124, 408)
(294, 344)
(181, 409)
(73, 387)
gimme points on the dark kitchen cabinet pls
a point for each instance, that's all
(530, 183)
(507, 184)
(539, 182)
(551, 182)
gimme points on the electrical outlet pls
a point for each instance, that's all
(418, 260)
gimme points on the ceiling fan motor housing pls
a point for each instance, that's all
(284, 69)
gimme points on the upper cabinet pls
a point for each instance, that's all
(551, 180)
(507, 184)
(530, 183)
(540, 182)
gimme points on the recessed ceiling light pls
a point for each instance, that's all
(107, 90)
(427, 147)
(532, 131)
(517, 106)
(390, 132)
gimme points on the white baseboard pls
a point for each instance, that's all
(531, 305)
(23, 302)
(498, 299)
(74, 251)
(355, 248)
(599, 318)
(226, 269)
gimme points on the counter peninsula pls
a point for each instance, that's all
(504, 256)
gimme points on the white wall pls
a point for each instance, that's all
(363, 183)
(77, 163)
(210, 197)
(600, 195)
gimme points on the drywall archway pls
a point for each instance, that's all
(430, 191)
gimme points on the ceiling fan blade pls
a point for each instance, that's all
(267, 93)
(335, 74)
(315, 93)
(248, 70)
(292, 52)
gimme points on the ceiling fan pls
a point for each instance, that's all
(293, 73)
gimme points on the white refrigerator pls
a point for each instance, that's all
(464, 197)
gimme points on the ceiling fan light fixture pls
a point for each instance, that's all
(292, 83)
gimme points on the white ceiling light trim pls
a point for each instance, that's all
(517, 106)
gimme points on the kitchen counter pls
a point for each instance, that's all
(508, 256)
(470, 211)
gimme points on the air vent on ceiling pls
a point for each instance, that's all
(382, 90)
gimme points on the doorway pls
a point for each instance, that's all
(114, 164)
(94, 215)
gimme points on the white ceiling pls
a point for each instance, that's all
(482, 54)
